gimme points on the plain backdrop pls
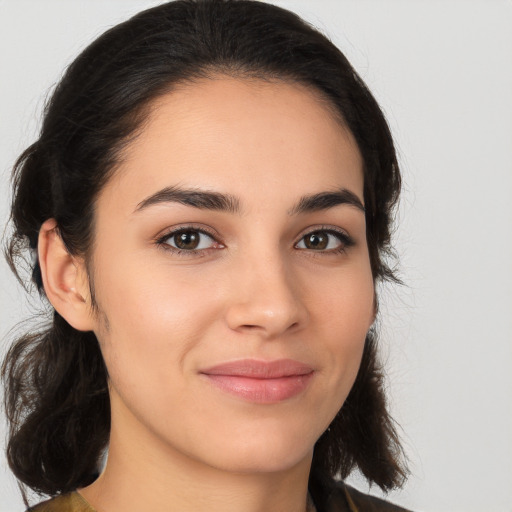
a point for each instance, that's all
(442, 71)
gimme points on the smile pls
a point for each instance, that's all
(261, 381)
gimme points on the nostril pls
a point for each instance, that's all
(271, 312)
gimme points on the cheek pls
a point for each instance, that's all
(138, 296)
(344, 300)
(155, 318)
(344, 313)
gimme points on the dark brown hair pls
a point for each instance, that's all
(56, 396)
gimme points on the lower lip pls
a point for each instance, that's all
(262, 391)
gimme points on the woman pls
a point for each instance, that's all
(208, 206)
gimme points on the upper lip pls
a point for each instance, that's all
(257, 369)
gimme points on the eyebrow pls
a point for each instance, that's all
(208, 200)
(326, 200)
(202, 199)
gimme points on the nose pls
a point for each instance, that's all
(267, 298)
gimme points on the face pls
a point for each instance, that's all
(232, 276)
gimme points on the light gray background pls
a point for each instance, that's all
(442, 71)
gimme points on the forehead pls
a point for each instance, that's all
(245, 137)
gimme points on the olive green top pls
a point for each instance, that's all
(72, 502)
(341, 498)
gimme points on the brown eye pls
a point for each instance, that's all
(189, 240)
(316, 241)
(325, 240)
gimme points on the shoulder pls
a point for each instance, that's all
(337, 496)
(71, 502)
(365, 502)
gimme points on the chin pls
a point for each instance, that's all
(263, 454)
(264, 463)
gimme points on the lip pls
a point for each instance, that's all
(263, 382)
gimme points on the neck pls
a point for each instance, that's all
(150, 475)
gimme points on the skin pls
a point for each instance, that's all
(254, 291)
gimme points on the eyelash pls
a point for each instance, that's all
(162, 241)
(345, 240)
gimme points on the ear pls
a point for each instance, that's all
(64, 278)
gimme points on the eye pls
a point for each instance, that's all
(188, 239)
(325, 240)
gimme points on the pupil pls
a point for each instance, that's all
(316, 241)
(187, 240)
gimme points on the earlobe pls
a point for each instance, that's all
(63, 278)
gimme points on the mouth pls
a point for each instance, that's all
(262, 382)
